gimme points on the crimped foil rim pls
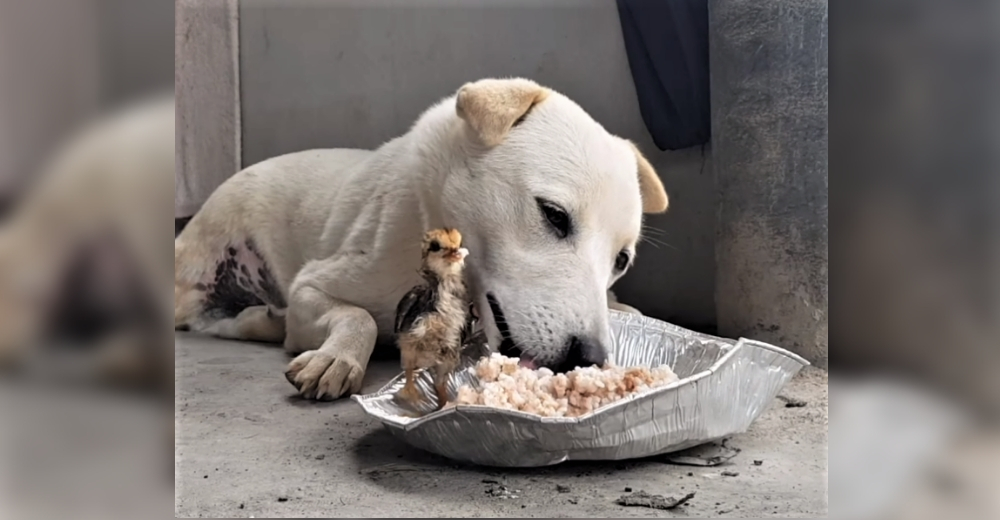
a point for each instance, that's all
(408, 424)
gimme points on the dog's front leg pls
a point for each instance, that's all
(333, 341)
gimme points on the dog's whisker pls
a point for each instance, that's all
(653, 231)
(657, 242)
(519, 314)
(649, 241)
(651, 234)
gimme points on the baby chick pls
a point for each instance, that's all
(431, 318)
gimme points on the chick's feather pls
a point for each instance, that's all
(418, 301)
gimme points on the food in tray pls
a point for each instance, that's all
(505, 384)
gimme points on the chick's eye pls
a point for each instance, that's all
(434, 247)
(556, 217)
(621, 261)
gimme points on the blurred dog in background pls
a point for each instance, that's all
(85, 252)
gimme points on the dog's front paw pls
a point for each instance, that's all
(319, 375)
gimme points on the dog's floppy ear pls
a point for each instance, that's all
(492, 106)
(654, 197)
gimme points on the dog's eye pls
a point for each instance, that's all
(434, 247)
(621, 261)
(556, 217)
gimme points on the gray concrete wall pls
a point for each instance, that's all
(49, 83)
(64, 62)
(135, 38)
(336, 74)
(208, 105)
(769, 132)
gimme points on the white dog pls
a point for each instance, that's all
(316, 248)
(92, 234)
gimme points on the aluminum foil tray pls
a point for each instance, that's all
(724, 385)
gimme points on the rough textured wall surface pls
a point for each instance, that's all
(769, 130)
(349, 73)
(207, 89)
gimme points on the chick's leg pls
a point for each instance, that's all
(409, 390)
(441, 385)
(441, 373)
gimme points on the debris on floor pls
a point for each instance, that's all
(642, 499)
(704, 455)
(562, 489)
(377, 472)
(502, 491)
(730, 474)
(282, 499)
(792, 402)
(758, 462)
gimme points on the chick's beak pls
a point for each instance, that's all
(458, 254)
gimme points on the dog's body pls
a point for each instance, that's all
(315, 248)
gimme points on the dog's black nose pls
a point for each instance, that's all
(583, 351)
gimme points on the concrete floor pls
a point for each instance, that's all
(246, 447)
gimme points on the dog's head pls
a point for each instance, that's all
(551, 207)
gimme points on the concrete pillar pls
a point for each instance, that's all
(769, 142)
(207, 87)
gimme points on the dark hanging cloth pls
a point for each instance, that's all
(667, 46)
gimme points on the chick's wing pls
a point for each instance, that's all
(419, 300)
